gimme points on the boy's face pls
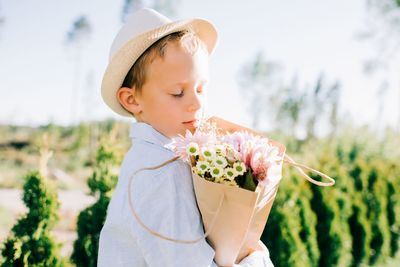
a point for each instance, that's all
(171, 99)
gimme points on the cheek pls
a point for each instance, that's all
(166, 108)
(155, 104)
(174, 109)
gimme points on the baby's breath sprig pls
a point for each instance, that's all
(206, 126)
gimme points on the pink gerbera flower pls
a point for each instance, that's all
(263, 157)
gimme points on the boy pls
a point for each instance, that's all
(158, 73)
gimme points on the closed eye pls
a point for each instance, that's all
(178, 95)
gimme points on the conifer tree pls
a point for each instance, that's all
(90, 221)
(308, 221)
(393, 206)
(376, 197)
(282, 234)
(30, 242)
(332, 208)
(360, 226)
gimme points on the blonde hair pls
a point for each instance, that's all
(187, 39)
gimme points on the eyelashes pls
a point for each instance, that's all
(179, 95)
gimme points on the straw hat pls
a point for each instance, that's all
(142, 29)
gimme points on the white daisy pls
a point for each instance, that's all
(192, 149)
(239, 167)
(230, 173)
(220, 161)
(202, 166)
(216, 171)
(208, 153)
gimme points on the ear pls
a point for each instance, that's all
(128, 98)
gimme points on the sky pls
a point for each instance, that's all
(38, 71)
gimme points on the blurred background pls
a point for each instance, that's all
(322, 77)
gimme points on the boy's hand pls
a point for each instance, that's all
(262, 247)
(227, 126)
(259, 247)
(259, 256)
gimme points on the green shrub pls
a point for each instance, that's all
(284, 233)
(91, 220)
(376, 199)
(30, 242)
(393, 207)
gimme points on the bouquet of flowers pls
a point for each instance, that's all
(235, 178)
(239, 159)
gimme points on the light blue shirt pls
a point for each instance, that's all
(165, 202)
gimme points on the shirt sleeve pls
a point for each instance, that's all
(165, 202)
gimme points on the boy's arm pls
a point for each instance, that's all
(228, 126)
(166, 204)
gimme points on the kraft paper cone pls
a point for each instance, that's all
(233, 220)
(242, 217)
(261, 212)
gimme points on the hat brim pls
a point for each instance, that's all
(127, 55)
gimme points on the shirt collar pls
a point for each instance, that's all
(145, 132)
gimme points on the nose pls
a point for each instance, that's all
(195, 102)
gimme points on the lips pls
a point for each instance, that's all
(191, 123)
